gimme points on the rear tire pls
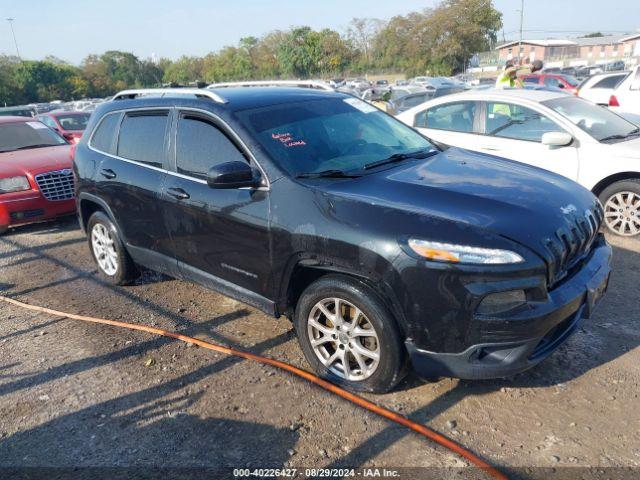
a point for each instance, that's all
(364, 335)
(621, 202)
(113, 261)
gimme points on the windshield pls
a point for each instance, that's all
(74, 121)
(24, 135)
(330, 134)
(597, 121)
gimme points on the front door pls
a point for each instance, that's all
(220, 236)
(515, 132)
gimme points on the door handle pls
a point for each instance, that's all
(108, 173)
(178, 193)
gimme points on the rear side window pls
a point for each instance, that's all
(456, 117)
(201, 145)
(609, 82)
(103, 137)
(635, 84)
(142, 136)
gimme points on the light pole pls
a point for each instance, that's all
(521, 23)
(10, 20)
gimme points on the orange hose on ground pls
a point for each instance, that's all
(361, 402)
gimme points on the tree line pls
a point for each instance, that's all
(435, 41)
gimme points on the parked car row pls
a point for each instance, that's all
(554, 131)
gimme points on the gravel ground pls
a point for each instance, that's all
(82, 395)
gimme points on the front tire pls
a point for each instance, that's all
(621, 202)
(114, 263)
(349, 336)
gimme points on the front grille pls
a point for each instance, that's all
(57, 185)
(571, 243)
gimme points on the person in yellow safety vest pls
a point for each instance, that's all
(508, 77)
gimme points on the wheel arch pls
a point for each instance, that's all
(89, 204)
(305, 271)
(611, 179)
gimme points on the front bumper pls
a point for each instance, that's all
(523, 339)
(30, 206)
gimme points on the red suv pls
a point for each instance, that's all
(556, 80)
(36, 180)
(68, 124)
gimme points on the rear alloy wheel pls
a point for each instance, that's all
(114, 263)
(104, 249)
(621, 203)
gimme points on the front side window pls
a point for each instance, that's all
(201, 145)
(508, 120)
(27, 135)
(597, 121)
(456, 117)
(142, 136)
(329, 133)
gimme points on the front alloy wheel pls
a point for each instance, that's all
(343, 339)
(349, 335)
(622, 213)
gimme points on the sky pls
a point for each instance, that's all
(72, 29)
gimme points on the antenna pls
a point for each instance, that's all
(10, 20)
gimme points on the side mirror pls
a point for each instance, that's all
(235, 174)
(556, 139)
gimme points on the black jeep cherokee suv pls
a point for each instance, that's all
(384, 250)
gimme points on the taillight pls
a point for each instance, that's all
(613, 101)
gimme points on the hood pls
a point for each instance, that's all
(34, 161)
(522, 203)
(626, 149)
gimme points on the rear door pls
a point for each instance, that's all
(453, 123)
(220, 236)
(515, 132)
(130, 178)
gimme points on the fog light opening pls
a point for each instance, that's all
(501, 302)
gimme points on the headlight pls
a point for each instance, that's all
(447, 252)
(14, 184)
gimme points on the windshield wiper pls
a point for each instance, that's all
(327, 174)
(398, 157)
(635, 131)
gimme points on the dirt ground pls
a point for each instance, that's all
(81, 395)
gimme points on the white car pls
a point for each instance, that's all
(558, 132)
(599, 88)
(625, 98)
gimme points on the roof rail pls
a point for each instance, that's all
(275, 83)
(161, 92)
